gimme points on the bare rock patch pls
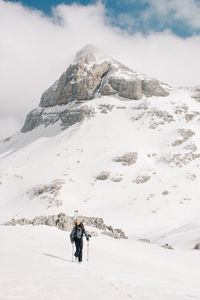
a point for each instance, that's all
(48, 192)
(179, 159)
(103, 175)
(142, 179)
(185, 134)
(127, 159)
(105, 108)
(165, 193)
(191, 176)
(117, 178)
(66, 223)
(167, 246)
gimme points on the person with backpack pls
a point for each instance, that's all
(76, 237)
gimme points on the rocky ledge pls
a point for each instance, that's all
(91, 75)
(66, 223)
(66, 116)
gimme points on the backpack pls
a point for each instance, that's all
(75, 234)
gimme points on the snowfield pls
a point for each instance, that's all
(36, 264)
(160, 186)
(49, 170)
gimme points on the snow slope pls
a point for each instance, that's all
(36, 264)
(73, 158)
(156, 198)
(149, 154)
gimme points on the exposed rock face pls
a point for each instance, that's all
(127, 159)
(91, 75)
(103, 175)
(180, 159)
(185, 134)
(77, 83)
(196, 93)
(67, 117)
(167, 246)
(66, 223)
(130, 89)
(142, 179)
(152, 88)
(87, 76)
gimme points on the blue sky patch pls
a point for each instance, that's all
(138, 15)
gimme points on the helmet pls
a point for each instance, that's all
(78, 223)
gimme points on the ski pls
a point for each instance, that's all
(75, 216)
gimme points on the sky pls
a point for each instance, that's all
(38, 40)
(180, 16)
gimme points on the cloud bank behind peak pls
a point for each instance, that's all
(35, 49)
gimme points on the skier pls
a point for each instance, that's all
(77, 236)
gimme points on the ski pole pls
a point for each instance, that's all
(73, 252)
(87, 251)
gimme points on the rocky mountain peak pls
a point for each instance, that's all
(91, 75)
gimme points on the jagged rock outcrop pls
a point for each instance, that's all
(152, 88)
(66, 223)
(127, 159)
(195, 93)
(167, 246)
(91, 75)
(103, 175)
(77, 83)
(66, 116)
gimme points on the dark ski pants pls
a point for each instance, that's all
(79, 248)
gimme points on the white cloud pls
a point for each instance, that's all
(35, 50)
(126, 21)
(171, 10)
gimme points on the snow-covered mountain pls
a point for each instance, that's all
(117, 145)
(91, 75)
(110, 142)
